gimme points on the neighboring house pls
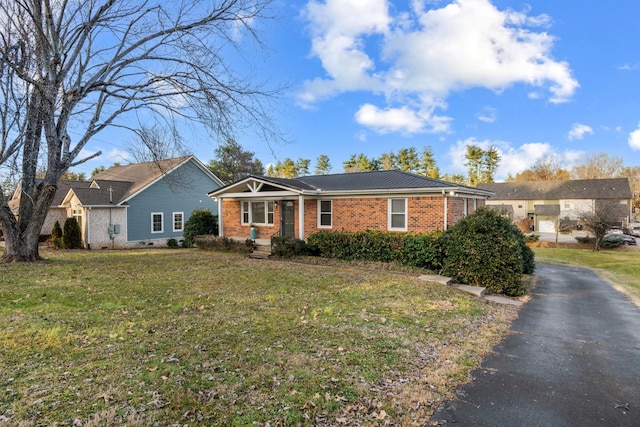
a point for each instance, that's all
(57, 212)
(137, 204)
(547, 206)
(379, 200)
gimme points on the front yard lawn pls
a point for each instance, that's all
(187, 337)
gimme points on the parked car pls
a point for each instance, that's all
(634, 230)
(617, 239)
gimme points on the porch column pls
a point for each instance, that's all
(220, 227)
(301, 216)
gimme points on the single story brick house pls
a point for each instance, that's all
(548, 206)
(387, 200)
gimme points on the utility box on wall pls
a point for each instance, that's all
(114, 229)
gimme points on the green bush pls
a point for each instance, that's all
(486, 249)
(172, 243)
(416, 250)
(201, 222)
(71, 235)
(211, 243)
(421, 250)
(289, 247)
(56, 235)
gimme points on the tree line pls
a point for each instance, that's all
(233, 162)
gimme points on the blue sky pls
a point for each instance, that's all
(372, 76)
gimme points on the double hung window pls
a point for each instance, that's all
(398, 214)
(258, 213)
(157, 222)
(325, 214)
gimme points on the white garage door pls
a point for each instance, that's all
(546, 227)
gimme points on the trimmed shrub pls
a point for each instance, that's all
(415, 250)
(214, 243)
(486, 249)
(289, 247)
(201, 222)
(421, 250)
(172, 243)
(71, 235)
(56, 235)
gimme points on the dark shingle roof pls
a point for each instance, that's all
(374, 180)
(64, 187)
(611, 188)
(104, 193)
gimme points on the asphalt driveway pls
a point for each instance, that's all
(573, 359)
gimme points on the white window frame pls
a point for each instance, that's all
(321, 212)
(390, 214)
(161, 214)
(181, 221)
(246, 212)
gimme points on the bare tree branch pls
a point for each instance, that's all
(94, 64)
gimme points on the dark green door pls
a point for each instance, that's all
(287, 219)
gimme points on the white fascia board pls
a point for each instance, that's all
(406, 192)
(262, 196)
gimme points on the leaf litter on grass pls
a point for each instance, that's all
(175, 337)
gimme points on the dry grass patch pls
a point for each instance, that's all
(175, 337)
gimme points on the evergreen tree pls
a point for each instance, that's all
(388, 161)
(407, 160)
(201, 222)
(56, 235)
(428, 166)
(473, 163)
(71, 235)
(323, 165)
(233, 162)
(490, 162)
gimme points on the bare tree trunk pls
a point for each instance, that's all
(22, 235)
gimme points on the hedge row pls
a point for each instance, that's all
(484, 249)
(416, 250)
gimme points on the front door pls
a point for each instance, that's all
(287, 219)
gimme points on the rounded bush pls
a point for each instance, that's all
(200, 223)
(486, 249)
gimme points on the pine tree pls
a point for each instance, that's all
(71, 235)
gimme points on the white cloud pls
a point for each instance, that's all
(634, 139)
(417, 59)
(487, 115)
(402, 120)
(578, 131)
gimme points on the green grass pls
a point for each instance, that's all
(621, 266)
(175, 337)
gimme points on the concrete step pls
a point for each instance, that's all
(261, 252)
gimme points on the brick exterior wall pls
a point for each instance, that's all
(425, 214)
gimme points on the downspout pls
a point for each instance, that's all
(88, 229)
(446, 209)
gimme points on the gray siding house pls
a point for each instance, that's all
(138, 204)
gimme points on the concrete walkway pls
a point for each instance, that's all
(475, 290)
